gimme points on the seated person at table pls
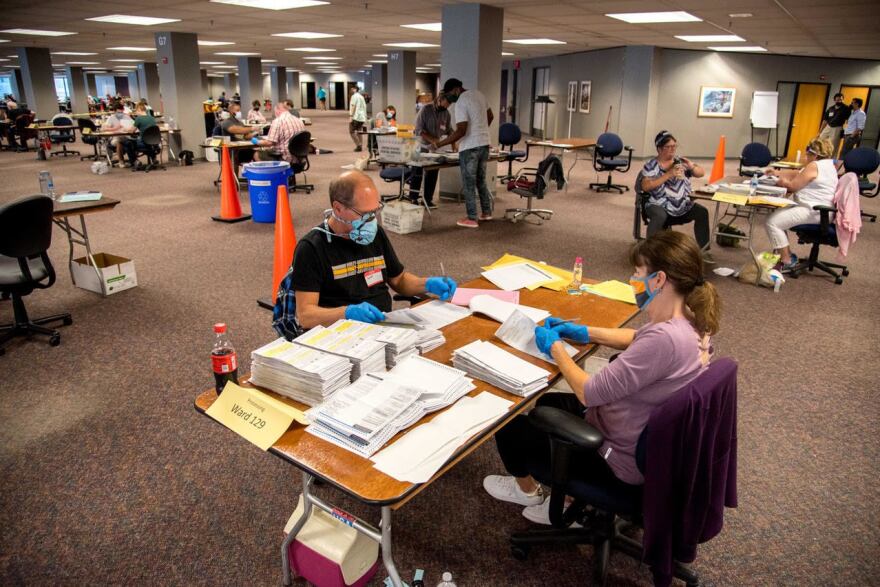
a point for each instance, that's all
(387, 117)
(656, 361)
(666, 178)
(254, 114)
(283, 128)
(13, 111)
(232, 126)
(813, 185)
(119, 121)
(142, 121)
(343, 267)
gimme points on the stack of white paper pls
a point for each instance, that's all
(429, 339)
(437, 314)
(423, 451)
(517, 276)
(298, 372)
(399, 342)
(518, 331)
(341, 339)
(408, 316)
(499, 310)
(500, 368)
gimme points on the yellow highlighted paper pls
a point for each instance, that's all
(615, 290)
(253, 415)
(563, 277)
(738, 199)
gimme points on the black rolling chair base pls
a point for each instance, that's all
(871, 217)
(23, 326)
(232, 220)
(825, 266)
(608, 186)
(65, 152)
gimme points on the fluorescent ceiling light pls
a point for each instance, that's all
(4, 60)
(739, 48)
(82, 62)
(306, 35)
(380, 54)
(535, 41)
(13, 56)
(212, 63)
(651, 17)
(309, 49)
(273, 4)
(36, 32)
(126, 48)
(323, 58)
(269, 60)
(427, 26)
(5, 41)
(227, 67)
(76, 53)
(376, 61)
(238, 54)
(94, 69)
(741, 15)
(118, 67)
(710, 38)
(130, 19)
(214, 43)
(432, 65)
(410, 45)
(506, 54)
(126, 60)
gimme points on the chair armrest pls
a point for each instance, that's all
(566, 426)
(821, 208)
(627, 148)
(824, 217)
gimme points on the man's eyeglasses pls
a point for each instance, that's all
(368, 216)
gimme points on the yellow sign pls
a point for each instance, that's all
(738, 199)
(615, 290)
(563, 277)
(257, 417)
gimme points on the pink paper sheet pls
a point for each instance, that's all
(463, 295)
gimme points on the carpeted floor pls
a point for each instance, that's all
(109, 476)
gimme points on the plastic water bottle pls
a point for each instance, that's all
(223, 359)
(47, 185)
(753, 185)
(577, 276)
(447, 580)
(171, 124)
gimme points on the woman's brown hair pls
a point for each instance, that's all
(678, 256)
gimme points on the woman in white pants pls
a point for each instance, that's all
(813, 185)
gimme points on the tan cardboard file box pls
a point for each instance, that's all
(117, 273)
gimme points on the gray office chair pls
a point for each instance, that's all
(530, 189)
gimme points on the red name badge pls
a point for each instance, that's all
(373, 277)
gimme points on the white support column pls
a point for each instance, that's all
(402, 85)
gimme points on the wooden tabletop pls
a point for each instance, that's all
(80, 208)
(53, 127)
(356, 476)
(567, 143)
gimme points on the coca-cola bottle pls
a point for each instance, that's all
(223, 359)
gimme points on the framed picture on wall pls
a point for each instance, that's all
(572, 96)
(584, 102)
(716, 102)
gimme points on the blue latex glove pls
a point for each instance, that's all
(575, 332)
(255, 141)
(364, 312)
(545, 337)
(442, 287)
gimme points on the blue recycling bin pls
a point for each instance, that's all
(264, 177)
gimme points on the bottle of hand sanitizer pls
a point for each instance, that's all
(574, 288)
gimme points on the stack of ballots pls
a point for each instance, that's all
(304, 374)
(500, 368)
(341, 339)
(368, 413)
(429, 339)
(399, 342)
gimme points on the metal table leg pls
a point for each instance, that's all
(80, 237)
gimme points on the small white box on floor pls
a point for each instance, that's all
(402, 217)
(117, 273)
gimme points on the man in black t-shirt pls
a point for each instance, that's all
(833, 121)
(345, 267)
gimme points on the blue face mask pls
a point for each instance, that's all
(363, 232)
(642, 288)
(389, 115)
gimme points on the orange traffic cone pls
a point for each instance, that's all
(285, 239)
(230, 207)
(718, 166)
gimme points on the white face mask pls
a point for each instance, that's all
(238, 115)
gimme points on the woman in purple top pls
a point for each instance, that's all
(656, 360)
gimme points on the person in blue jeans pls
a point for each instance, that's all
(472, 119)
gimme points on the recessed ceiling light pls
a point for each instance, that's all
(324, 58)
(13, 56)
(36, 32)
(94, 69)
(535, 41)
(5, 41)
(273, 4)
(214, 43)
(126, 48)
(427, 26)
(127, 60)
(82, 62)
(306, 35)
(651, 17)
(309, 49)
(238, 54)
(377, 61)
(506, 54)
(227, 66)
(76, 53)
(125, 66)
(739, 49)
(380, 54)
(741, 15)
(432, 65)
(4, 60)
(710, 38)
(410, 45)
(135, 20)
(212, 63)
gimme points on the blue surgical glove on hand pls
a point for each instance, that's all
(545, 337)
(442, 287)
(575, 332)
(255, 141)
(364, 312)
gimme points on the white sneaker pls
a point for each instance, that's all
(505, 488)
(540, 514)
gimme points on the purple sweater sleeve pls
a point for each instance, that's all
(636, 367)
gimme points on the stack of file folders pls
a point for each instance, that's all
(500, 368)
(298, 372)
(365, 415)
(341, 338)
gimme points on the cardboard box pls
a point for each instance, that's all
(117, 273)
(402, 217)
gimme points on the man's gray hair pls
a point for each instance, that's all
(343, 187)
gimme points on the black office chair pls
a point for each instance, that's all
(753, 159)
(824, 233)
(299, 146)
(605, 158)
(534, 183)
(151, 147)
(62, 137)
(393, 174)
(605, 509)
(23, 132)
(87, 138)
(864, 161)
(25, 236)
(640, 214)
(509, 135)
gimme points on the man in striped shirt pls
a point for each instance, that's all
(282, 129)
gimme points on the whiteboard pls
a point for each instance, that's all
(764, 106)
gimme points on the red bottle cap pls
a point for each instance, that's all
(220, 328)
(578, 260)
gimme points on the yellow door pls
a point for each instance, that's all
(808, 111)
(850, 92)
